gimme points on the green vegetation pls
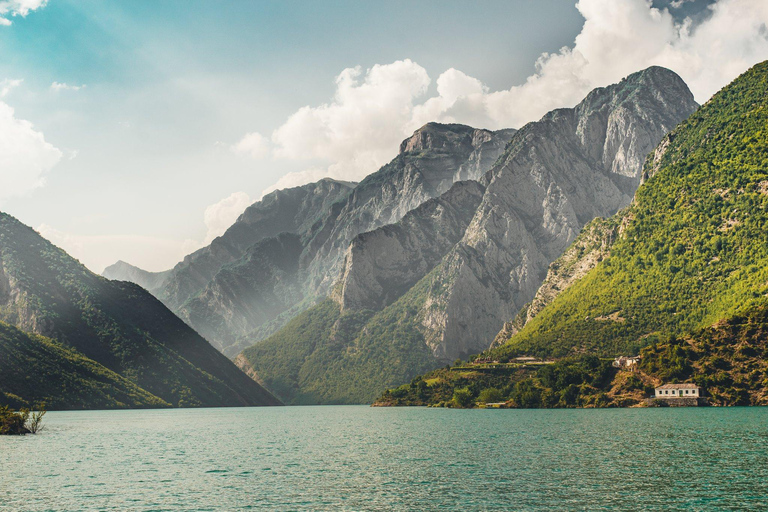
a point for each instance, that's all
(581, 382)
(695, 248)
(328, 357)
(17, 423)
(115, 344)
(35, 369)
(728, 360)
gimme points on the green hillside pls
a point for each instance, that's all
(729, 360)
(325, 356)
(695, 248)
(118, 325)
(35, 369)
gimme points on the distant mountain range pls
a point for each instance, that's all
(682, 271)
(285, 252)
(73, 339)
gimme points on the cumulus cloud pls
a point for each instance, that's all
(361, 126)
(219, 216)
(25, 156)
(18, 8)
(59, 86)
(371, 112)
(253, 144)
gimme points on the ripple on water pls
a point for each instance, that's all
(361, 458)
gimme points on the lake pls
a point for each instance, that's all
(362, 458)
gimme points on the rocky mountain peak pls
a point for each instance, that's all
(443, 136)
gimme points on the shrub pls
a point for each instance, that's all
(463, 398)
(490, 395)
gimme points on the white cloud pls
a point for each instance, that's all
(59, 86)
(253, 144)
(219, 216)
(7, 86)
(18, 8)
(361, 127)
(99, 251)
(25, 156)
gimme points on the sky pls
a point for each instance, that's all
(140, 130)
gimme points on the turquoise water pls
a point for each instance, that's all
(361, 458)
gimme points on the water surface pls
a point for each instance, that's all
(361, 458)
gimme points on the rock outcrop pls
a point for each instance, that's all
(384, 263)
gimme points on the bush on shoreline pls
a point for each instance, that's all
(19, 423)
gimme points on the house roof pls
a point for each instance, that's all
(678, 386)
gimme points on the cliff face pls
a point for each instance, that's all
(384, 263)
(430, 161)
(591, 247)
(117, 325)
(556, 175)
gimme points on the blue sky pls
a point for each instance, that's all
(141, 159)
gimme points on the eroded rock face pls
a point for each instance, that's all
(557, 174)
(591, 246)
(383, 264)
(430, 161)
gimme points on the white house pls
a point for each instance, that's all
(627, 363)
(678, 391)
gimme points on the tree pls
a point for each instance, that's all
(490, 395)
(463, 398)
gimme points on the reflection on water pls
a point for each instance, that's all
(361, 458)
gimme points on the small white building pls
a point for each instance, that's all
(678, 391)
(626, 363)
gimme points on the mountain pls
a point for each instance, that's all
(285, 252)
(440, 283)
(682, 271)
(35, 369)
(107, 325)
(122, 271)
(693, 249)
(293, 210)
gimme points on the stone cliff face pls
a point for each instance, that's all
(384, 263)
(430, 161)
(591, 247)
(292, 210)
(556, 175)
(261, 285)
